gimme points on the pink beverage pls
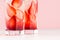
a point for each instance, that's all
(30, 16)
(14, 21)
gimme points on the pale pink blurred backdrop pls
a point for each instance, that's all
(48, 14)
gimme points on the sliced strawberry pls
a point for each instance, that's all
(11, 24)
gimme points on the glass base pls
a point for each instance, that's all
(13, 33)
(30, 31)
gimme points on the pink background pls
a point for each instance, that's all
(48, 14)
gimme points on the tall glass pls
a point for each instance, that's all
(14, 16)
(30, 17)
